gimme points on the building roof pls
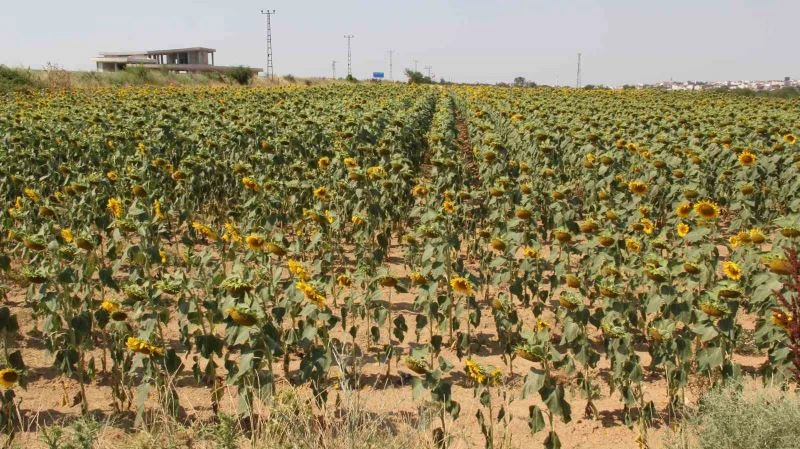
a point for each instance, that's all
(192, 67)
(181, 50)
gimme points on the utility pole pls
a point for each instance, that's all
(270, 70)
(349, 55)
(333, 69)
(415, 65)
(428, 68)
(390, 65)
(578, 82)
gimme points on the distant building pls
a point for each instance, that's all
(193, 59)
(787, 81)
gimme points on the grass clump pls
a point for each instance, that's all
(741, 417)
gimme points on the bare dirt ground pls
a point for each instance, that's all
(48, 398)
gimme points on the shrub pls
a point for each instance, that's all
(241, 74)
(736, 417)
(15, 79)
(290, 78)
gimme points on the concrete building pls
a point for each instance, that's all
(193, 59)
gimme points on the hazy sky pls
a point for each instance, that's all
(622, 41)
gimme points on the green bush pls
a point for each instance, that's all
(15, 79)
(741, 417)
(240, 74)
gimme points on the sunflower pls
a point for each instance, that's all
(498, 244)
(461, 285)
(109, 306)
(350, 162)
(311, 293)
(250, 183)
(142, 347)
(376, 172)
(791, 139)
(298, 270)
(159, 215)
(66, 234)
(417, 278)
(448, 207)
(683, 210)
(682, 229)
(530, 252)
(357, 219)
(255, 242)
(633, 245)
(647, 226)
(8, 377)
(115, 207)
(707, 210)
(321, 193)
(757, 236)
(112, 176)
(31, 194)
(323, 162)
(747, 159)
(231, 234)
(637, 187)
(201, 228)
(419, 190)
(732, 270)
(344, 280)
(242, 316)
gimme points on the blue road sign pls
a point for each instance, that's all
(377, 74)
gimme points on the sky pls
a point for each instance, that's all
(621, 41)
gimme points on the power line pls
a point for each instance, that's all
(578, 82)
(270, 70)
(349, 55)
(333, 69)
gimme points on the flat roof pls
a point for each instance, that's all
(181, 50)
(192, 67)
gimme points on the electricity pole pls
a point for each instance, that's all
(578, 83)
(270, 70)
(349, 55)
(415, 65)
(333, 69)
(428, 68)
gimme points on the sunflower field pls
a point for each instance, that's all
(532, 246)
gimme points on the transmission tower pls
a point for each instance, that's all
(578, 82)
(333, 69)
(428, 68)
(270, 70)
(390, 65)
(349, 55)
(415, 65)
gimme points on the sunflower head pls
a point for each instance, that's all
(8, 377)
(461, 285)
(731, 270)
(707, 210)
(637, 187)
(791, 139)
(683, 210)
(682, 229)
(255, 242)
(633, 245)
(747, 158)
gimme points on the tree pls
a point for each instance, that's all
(415, 77)
(519, 81)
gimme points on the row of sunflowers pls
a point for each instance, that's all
(240, 236)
